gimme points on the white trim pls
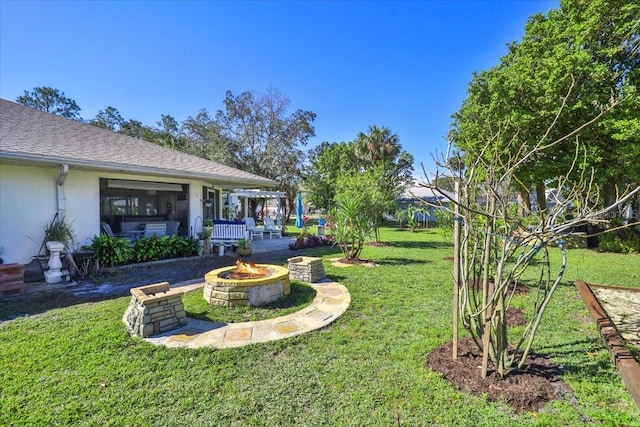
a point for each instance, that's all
(258, 194)
(143, 185)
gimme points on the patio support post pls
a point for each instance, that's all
(278, 214)
(219, 204)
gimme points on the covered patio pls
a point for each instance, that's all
(243, 197)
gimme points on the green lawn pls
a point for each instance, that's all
(76, 365)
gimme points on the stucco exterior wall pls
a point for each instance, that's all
(27, 204)
(28, 201)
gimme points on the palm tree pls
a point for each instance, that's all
(380, 144)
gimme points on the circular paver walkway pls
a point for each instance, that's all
(332, 299)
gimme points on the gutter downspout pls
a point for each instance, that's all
(64, 171)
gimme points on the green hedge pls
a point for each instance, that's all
(112, 251)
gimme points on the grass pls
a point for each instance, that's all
(76, 365)
(197, 307)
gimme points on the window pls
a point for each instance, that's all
(125, 200)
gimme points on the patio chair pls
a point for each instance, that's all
(172, 227)
(106, 229)
(129, 226)
(155, 230)
(271, 228)
(253, 229)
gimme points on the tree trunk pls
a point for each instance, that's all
(253, 205)
(609, 192)
(524, 203)
(487, 289)
(456, 268)
(541, 197)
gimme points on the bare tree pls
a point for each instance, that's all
(496, 246)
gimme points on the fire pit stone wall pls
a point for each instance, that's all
(220, 290)
(154, 309)
(306, 269)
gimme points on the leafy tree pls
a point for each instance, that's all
(326, 163)
(206, 139)
(381, 150)
(259, 137)
(495, 247)
(136, 129)
(169, 133)
(50, 100)
(582, 54)
(379, 145)
(378, 152)
(369, 188)
(109, 118)
(445, 183)
(546, 114)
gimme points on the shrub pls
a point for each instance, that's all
(58, 230)
(182, 246)
(353, 226)
(155, 248)
(412, 221)
(111, 251)
(306, 240)
(445, 221)
(401, 217)
(619, 243)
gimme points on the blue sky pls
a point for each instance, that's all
(401, 64)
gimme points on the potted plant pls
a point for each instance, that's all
(207, 224)
(243, 248)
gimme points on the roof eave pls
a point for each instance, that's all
(118, 167)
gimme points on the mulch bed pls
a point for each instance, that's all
(515, 317)
(524, 390)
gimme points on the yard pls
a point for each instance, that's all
(76, 365)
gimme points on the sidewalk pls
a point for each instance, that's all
(332, 300)
(118, 280)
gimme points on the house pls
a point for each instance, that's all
(417, 195)
(52, 165)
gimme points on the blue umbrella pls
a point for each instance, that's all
(299, 222)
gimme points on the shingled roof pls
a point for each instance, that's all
(36, 137)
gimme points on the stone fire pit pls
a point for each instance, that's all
(154, 309)
(221, 289)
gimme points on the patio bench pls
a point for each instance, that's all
(227, 233)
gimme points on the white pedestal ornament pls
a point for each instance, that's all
(54, 274)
